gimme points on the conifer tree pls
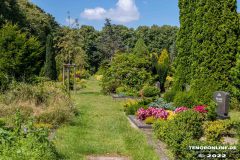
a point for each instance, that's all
(207, 46)
(140, 48)
(162, 67)
(50, 64)
(184, 41)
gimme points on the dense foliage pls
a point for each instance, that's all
(25, 142)
(47, 102)
(50, 69)
(207, 45)
(128, 71)
(20, 54)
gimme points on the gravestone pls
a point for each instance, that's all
(158, 85)
(222, 99)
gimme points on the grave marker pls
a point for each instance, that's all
(222, 100)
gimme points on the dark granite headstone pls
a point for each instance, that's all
(222, 99)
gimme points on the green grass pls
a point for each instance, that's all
(235, 115)
(101, 128)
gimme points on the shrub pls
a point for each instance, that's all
(185, 125)
(150, 120)
(80, 84)
(184, 99)
(149, 91)
(131, 107)
(127, 70)
(169, 95)
(234, 104)
(160, 103)
(26, 142)
(98, 77)
(120, 90)
(47, 102)
(211, 108)
(214, 130)
(169, 82)
(82, 74)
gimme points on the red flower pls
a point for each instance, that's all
(200, 109)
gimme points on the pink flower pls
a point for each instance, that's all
(180, 109)
(200, 109)
(142, 114)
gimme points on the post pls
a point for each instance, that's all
(63, 75)
(74, 80)
(68, 74)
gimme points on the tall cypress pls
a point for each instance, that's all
(184, 41)
(207, 45)
(214, 47)
(50, 64)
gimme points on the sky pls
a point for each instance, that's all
(132, 13)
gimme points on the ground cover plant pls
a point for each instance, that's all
(24, 141)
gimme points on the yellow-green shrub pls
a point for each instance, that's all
(214, 130)
(150, 120)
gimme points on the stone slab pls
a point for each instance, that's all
(139, 123)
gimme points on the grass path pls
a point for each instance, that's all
(101, 128)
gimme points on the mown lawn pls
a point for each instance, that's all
(101, 128)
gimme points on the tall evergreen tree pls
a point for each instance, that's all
(50, 70)
(19, 53)
(162, 67)
(207, 46)
(110, 41)
(184, 41)
(140, 48)
(214, 47)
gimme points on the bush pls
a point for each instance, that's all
(214, 130)
(169, 95)
(149, 91)
(184, 99)
(185, 125)
(26, 142)
(131, 107)
(127, 70)
(160, 103)
(150, 120)
(47, 102)
(80, 84)
(234, 104)
(211, 108)
(82, 74)
(120, 90)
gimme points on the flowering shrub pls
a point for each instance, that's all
(171, 114)
(200, 109)
(180, 109)
(157, 113)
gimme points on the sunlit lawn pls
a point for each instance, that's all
(101, 129)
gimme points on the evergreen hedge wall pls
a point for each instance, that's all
(207, 45)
